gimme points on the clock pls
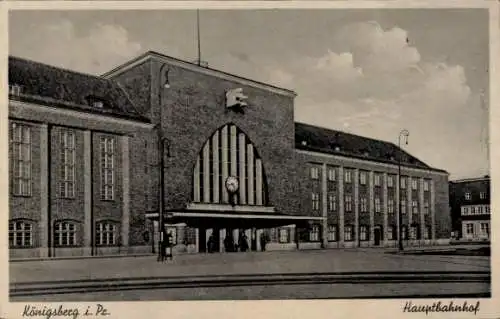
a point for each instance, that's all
(232, 184)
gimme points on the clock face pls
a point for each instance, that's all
(232, 184)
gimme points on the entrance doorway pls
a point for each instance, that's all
(377, 235)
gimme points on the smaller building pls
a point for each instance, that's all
(470, 208)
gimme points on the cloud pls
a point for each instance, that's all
(96, 51)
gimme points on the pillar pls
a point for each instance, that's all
(125, 222)
(421, 209)
(87, 188)
(397, 196)
(206, 173)
(250, 161)
(324, 208)
(44, 191)
(197, 239)
(433, 209)
(215, 167)
(409, 201)
(259, 234)
(341, 205)
(356, 207)
(258, 182)
(385, 205)
(225, 160)
(196, 181)
(371, 206)
(222, 236)
(242, 172)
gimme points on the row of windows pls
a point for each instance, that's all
(364, 233)
(475, 210)
(348, 177)
(484, 229)
(348, 204)
(468, 195)
(65, 234)
(21, 145)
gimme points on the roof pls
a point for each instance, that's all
(48, 85)
(197, 68)
(323, 140)
(471, 180)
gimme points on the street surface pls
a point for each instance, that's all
(347, 262)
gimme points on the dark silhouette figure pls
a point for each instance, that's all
(229, 243)
(243, 242)
(211, 244)
(263, 241)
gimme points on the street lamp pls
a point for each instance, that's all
(163, 84)
(405, 134)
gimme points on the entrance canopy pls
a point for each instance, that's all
(227, 216)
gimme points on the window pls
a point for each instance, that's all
(414, 232)
(106, 234)
(65, 234)
(487, 209)
(469, 229)
(390, 181)
(21, 159)
(315, 201)
(348, 235)
(20, 234)
(377, 179)
(485, 229)
(363, 233)
(403, 182)
(67, 173)
(426, 207)
(172, 230)
(377, 205)
(348, 176)
(331, 174)
(14, 89)
(107, 168)
(390, 206)
(98, 104)
(403, 206)
(426, 185)
(332, 202)
(314, 172)
(482, 195)
(414, 205)
(348, 203)
(284, 235)
(414, 184)
(314, 233)
(467, 196)
(427, 233)
(362, 178)
(364, 204)
(332, 232)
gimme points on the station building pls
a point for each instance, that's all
(86, 154)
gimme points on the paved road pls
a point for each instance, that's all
(313, 261)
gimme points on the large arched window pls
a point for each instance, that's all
(229, 152)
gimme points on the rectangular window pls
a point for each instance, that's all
(107, 168)
(414, 205)
(482, 195)
(314, 233)
(377, 205)
(20, 139)
(284, 235)
(332, 202)
(348, 236)
(106, 234)
(65, 234)
(377, 179)
(403, 207)
(427, 233)
(487, 209)
(332, 232)
(332, 174)
(348, 176)
(364, 204)
(315, 201)
(414, 184)
(426, 185)
(403, 182)
(390, 181)
(485, 230)
(314, 172)
(413, 232)
(362, 178)
(20, 234)
(469, 229)
(426, 207)
(390, 206)
(467, 196)
(404, 232)
(391, 234)
(348, 203)
(14, 89)
(363, 233)
(67, 173)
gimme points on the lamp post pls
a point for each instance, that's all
(163, 84)
(405, 134)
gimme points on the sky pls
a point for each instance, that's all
(371, 72)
